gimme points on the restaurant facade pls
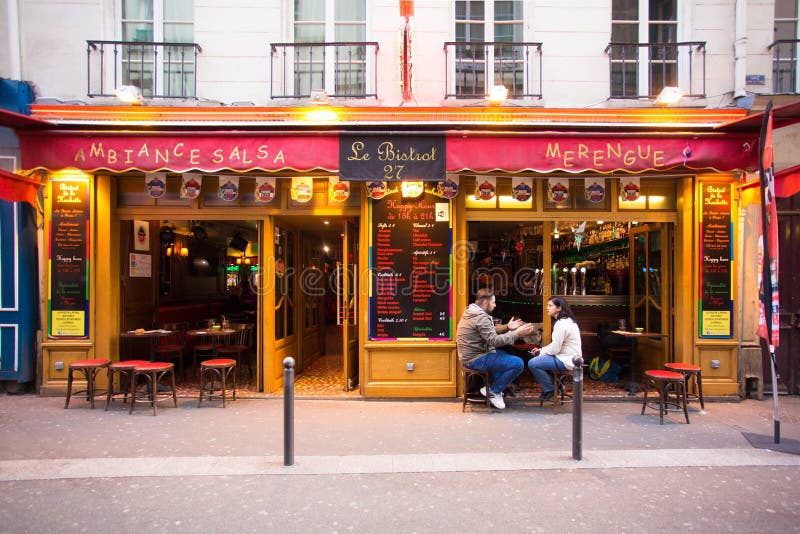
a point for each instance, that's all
(632, 214)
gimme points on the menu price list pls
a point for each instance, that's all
(715, 265)
(68, 258)
(411, 270)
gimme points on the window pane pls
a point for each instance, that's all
(663, 33)
(625, 33)
(505, 10)
(508, 33)
(138, 32)
(624, 81)
(785, 9)
(137, 9)
(469, 10)
(309, 10)
(179, 33)
(625, 10)
(351, 10)
(663, 10)
(785, 30)
(350, 33)
(309, 33)
(179, 10)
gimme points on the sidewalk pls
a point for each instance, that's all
(41, 440)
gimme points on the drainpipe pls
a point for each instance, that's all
(14, 63)
(740, 50)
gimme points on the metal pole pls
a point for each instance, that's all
(577, 409)
(288, 411)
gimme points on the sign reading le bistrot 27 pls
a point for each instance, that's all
(391, 157)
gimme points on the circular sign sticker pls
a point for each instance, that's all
(155, 187)
(521, 192)
(630, 192)
(448, 188)
(486, 191)
(265, 192)
(302, 192)
(228, 191)
(341, 191)
(191, 189)
(595, 192)
(559, 192)
(376, 190)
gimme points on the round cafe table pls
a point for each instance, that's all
(215, 336)
(150, 335)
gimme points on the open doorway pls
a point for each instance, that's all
(312, 309)
(182, 278)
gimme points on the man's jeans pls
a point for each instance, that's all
(502, 366)
(540, 365)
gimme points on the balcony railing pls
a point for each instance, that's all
(473, 68)
(159, 70)
(784, 66)
(642, 70)
(341, 69)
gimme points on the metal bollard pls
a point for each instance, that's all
(577, 409)
(288, 411)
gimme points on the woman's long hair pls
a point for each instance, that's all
(565, 311)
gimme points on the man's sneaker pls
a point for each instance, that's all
(497, 401)
(495, 398)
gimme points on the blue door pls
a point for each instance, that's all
(19, 295)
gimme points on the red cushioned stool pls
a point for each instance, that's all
(666, 382)
(152, 373)
(214, 375)
(125, 372)
(90, 370)
(688, 370)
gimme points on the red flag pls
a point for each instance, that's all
(768, 239)
(16, 188)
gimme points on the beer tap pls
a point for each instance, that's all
(566, 281)
(583, 280)
(537, 277)
(574, 272)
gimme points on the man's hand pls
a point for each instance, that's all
(514, 323)
(525, 330)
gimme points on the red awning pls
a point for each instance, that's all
(476, 152)
(16, 188)
(179, 152)
(573, 153)
(9, 119)
(782, 116)
(787, 182)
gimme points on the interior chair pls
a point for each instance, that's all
(170, 347)
(238, 345)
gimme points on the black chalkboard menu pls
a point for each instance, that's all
(410, 266)
(68, 302)
(716, 252)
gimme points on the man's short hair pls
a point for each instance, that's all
(483, 294)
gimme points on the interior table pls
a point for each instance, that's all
(150, 335)
(633, 386)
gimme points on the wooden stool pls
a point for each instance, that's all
(125, 372)
(475, 396)
(561, 379)
(213, 371)
(152, 372)
(666, 382)
(89, 369)
(688, 370)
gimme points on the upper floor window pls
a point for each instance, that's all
(342, 65)
(642, 62)
(152, 23)
(478, 67)
(784, 47)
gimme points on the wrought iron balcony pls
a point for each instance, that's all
(471, 69)
(159, 70)
(341, 69)
(642, 70)
(784, 66)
